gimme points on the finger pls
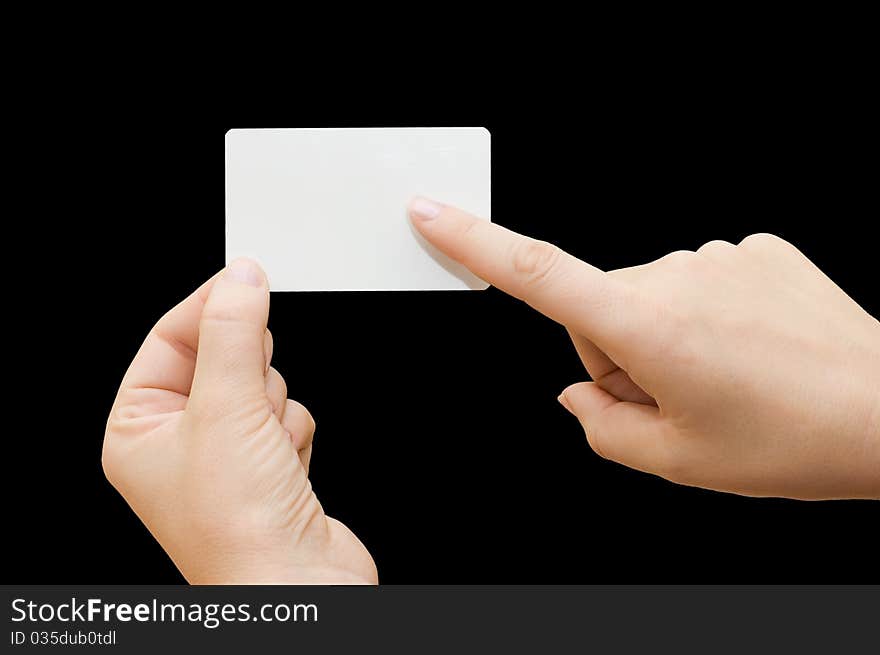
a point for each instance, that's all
(607, 374)
(628, 433)
(167, 358)
(597, 363)
(268, 347)
(276, 392)
(305, 456)
(231, 358)
(580, 296)
(717, 250)
(301, 427)
(299, 423)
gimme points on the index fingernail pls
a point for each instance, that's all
(424, 209)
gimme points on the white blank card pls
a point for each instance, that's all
(325, 209)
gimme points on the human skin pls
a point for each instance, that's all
(736, 368)
(211, 455)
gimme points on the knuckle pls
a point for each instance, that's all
(762, 241)
(715, 246)
(216, 312)
(238, 312)
(680, 260)
(535, 261)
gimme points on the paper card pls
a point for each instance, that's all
(325, 209)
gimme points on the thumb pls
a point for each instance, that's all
(631, 434)
(231, 354)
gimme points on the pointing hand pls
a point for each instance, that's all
(737, 368)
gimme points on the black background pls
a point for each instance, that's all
(440, 441)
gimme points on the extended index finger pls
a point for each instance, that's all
(560, 286)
